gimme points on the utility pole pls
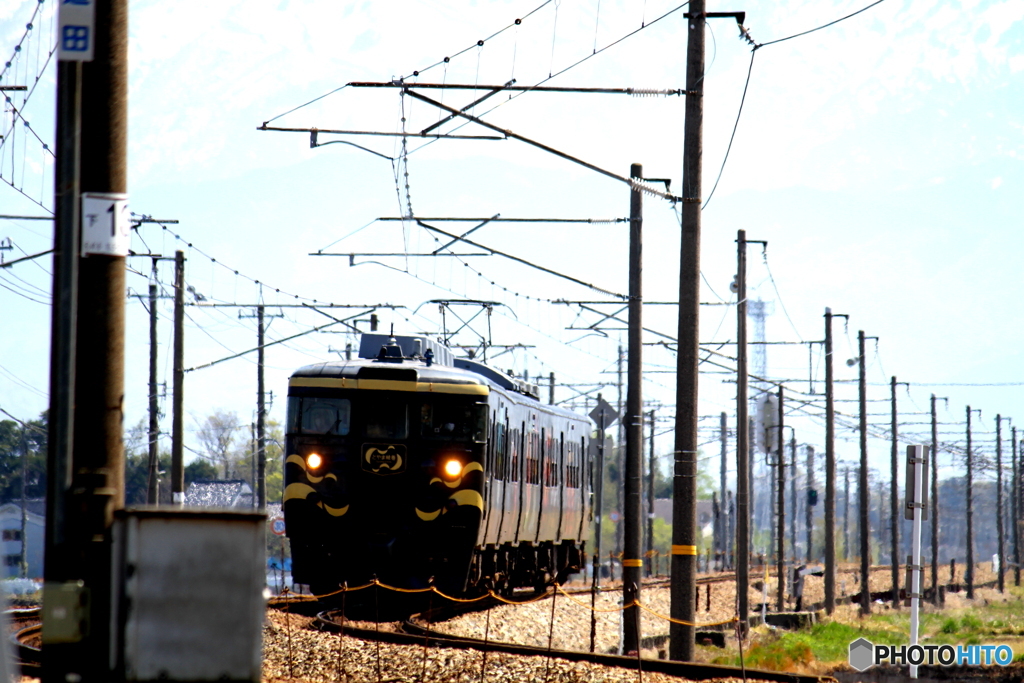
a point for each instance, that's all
(153, 492)
(743, 440)
(780, 562)
(809, 515)
(1015, 507)
(894, 499)
(865, 593)
(792, 496)
(830, 472)
(178, 397)
(684, 502)
(261, 422)
(598, 514)
(650, 496)
(723, 435)
(846, 516)
(551, 388)
(935, 504)
(999, 503)
(23, 562)
(58, 556)
(259, 479)
(632, 557)
(88, 364)
(620, 454)
(969, 573)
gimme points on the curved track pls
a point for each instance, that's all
(26, 628)
(415, 631)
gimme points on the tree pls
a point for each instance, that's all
(11, 448)
(216, 435)
(199, 470)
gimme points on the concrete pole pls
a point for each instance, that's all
(999, 504)
(743, 440)
(153, 490)
(178, 396)
(894, 500)
(684, 502)
(780, 562)
(809, 509)
(863, 495)
(632, 561)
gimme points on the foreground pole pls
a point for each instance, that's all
(684, 501)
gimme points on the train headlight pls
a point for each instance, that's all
(314, 461)
(452, 468)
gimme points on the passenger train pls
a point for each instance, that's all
(411, 466)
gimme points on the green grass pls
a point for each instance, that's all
(828, 643)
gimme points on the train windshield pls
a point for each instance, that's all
(385, 417)
(454, 420)
(312, 415)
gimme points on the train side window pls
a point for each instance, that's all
(325, 415)
(498, 449)
(514, 455)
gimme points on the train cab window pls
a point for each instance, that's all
(451, 420)
(385, 419)
(322, 415)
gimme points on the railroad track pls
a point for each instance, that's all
(26, 634)
(416, 631)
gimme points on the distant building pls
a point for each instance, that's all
(10, 537)
(226, 493)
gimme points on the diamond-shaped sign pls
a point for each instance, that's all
(604, 411)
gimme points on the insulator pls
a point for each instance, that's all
(647, 189)
(646, 92)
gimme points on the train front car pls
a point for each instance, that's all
(383, 473)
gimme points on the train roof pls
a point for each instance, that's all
(413, 364)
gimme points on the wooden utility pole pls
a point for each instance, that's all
(178, 396)
(999, 504)
(684, 502)
(153, 490)
(632, 559)
(830, 472)
(969, 569)
(780, 561)
(743, 440)
(863, 495)
(809, 509)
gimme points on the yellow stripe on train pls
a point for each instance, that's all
(389, 385)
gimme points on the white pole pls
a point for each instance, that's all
(919, 457)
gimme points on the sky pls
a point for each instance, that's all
(880, 158)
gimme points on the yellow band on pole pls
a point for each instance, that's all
(632, 563)
(684, 550)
